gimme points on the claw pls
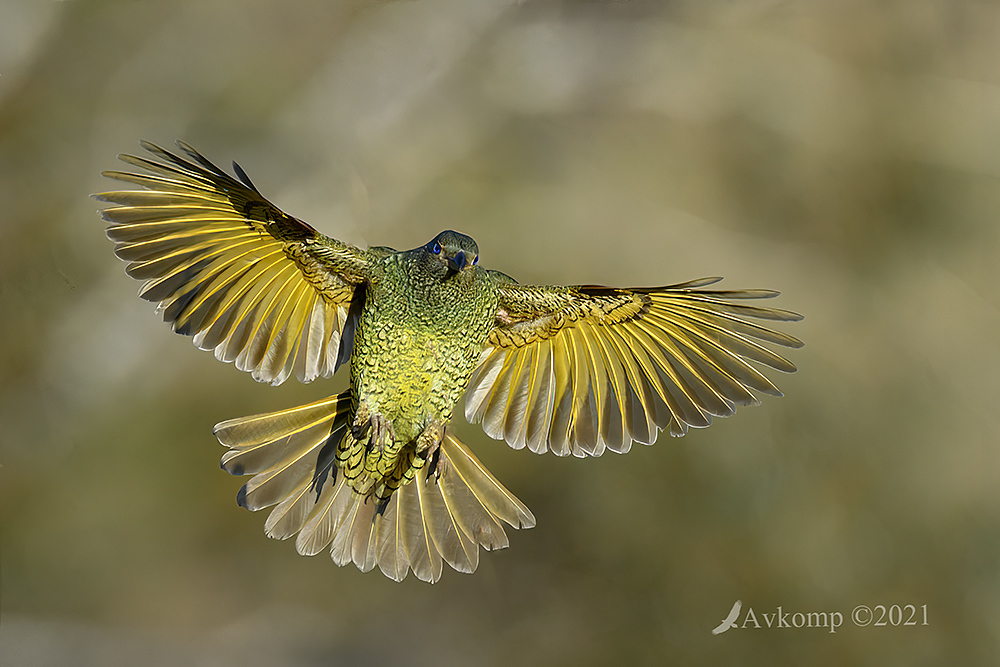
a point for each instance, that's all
(382, 432)
(375, 427)
(429, 448)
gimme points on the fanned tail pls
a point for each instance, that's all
(443, 516)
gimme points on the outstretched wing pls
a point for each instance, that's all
(259, 287)
(583, 369)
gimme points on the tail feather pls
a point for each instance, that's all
(253, 440)
(325, 519)
(289, 454)
(392, 558)
(273, 486)
(457, 548)
(489, 493)
(343, 535)
(434, 519)
(425, 560)
(291, 514)
(363, 536)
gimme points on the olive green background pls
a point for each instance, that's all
(844, 152)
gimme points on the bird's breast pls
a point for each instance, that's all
(410, 374)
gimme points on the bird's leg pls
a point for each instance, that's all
(429, 448)
(382, 432)
(375, 426)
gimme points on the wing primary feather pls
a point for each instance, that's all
(243, 177)
(638, 402)
(562, 403)
(184, 165)
(614, 429)
(669, 384)
(541, 401)
(481, 384)
(218, 258)
(496, 404)
(699, 386)
(720, 337)
(584, 428)
(517, 401)
(731, 361)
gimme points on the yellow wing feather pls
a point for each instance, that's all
(583, 369)
(255, 285)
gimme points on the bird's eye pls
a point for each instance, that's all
(476, 260)
(436, 249)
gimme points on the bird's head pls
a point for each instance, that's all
(450, 253)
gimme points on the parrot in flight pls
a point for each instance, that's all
(376, 474)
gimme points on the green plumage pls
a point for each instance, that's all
(418, 339)
(376, 474)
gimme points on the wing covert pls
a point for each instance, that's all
(583, 369)
(259, 287)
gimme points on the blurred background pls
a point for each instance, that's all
(845, 152)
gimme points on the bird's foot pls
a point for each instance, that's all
(382, 433)
(429, 448)
(378, 429)
(361, 424)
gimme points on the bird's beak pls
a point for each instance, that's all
(457, 263)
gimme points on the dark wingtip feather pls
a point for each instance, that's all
(205, 163)
(241, 497)
(187, 148)
(698, 282)
(156, 150)
(244, 178)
